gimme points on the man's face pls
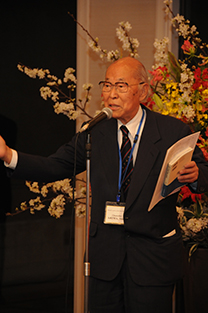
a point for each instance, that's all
(124, 105)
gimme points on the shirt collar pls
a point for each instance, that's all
(132, 125)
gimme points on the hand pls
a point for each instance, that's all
(5, 151)
(189, 173)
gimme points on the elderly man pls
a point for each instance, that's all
(136, 258)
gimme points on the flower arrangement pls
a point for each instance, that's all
(180, 89)
(193, 219)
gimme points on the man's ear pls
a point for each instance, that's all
(143, 92)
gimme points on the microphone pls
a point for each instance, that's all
(105, 113)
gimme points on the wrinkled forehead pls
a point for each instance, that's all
(121, 72)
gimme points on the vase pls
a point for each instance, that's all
(192, 290)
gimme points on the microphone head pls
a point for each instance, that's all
(108, 112)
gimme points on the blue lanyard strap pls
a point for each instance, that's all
(120, 182)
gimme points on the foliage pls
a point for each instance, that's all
(193, 220)
(180, 89)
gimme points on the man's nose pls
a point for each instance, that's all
(113, 92)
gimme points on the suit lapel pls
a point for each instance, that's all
(146, 156)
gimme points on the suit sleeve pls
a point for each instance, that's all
(59, 165)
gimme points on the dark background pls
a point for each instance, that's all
(188, 290)
(196, 12)
(36, 251)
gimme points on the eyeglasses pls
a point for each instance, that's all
(120, 87)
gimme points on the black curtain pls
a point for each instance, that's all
(34, 250)
(188, 292)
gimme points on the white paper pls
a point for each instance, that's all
(188, 141)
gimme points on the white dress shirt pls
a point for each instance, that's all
(132, 126)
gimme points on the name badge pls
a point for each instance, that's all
(114, 213)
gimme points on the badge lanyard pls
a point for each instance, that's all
(120, 182)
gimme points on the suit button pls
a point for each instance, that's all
(126, 217)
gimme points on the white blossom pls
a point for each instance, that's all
(180, 211)
(183, 26)
(54, 96)
(129, 44)
(44, 191)
(34, 187)
(63, 107)
(23, 206)
(167, 2)
(57, 206)
(80, 210)
(51, 83)
(35, 204)
(31, 72)
(63, 186)
(189, 113)
(45, 92)
(94, 45)
(69, 76)
(87, 86)
(112, 55)
(41, 73)
(126, 25)
(74, 115)
(52, 77)
(161, 52)
(194, 225)
(20, 67)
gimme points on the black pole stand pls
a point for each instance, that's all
(86, 263)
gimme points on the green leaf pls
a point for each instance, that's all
(189, 214)
(198, 208)
(158, 101)
(175, 66)
(192, 250)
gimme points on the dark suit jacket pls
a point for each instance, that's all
(152, 259)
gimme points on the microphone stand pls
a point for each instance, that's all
(86, 263)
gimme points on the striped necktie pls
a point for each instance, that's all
(125, 154)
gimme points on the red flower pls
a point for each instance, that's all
(159, 73)
(187, 47)
(201, 78)
(205, 153)
(186, 193)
